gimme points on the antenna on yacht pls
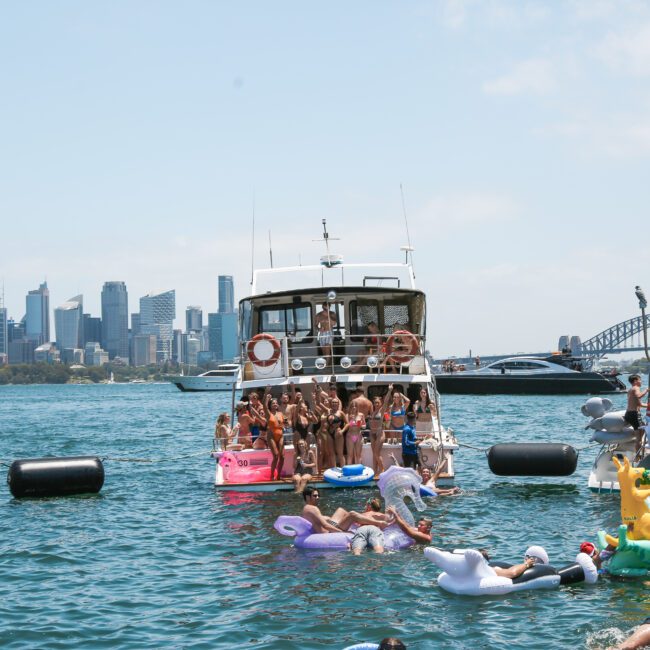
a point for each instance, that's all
(270, 250)
(408, 248)
(329, 260)
(253, 243)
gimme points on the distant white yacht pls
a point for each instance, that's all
(222, 378)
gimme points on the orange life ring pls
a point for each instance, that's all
(404, 340)
(263, 363)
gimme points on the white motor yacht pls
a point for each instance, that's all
(224, 377)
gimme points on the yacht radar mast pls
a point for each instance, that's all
(329, 259)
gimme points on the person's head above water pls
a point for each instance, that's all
(391, 643)
(310, 494)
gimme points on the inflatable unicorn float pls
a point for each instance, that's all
(468, 573)
(632, 556)
(396, 485)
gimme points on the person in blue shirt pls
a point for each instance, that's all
(410, 442)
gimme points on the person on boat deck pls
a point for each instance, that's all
(324, 442)
(325, 322)
(304, 466)
(302, 419)
(338, 426)
(341, 520)
(511, 572)
(275, 426)
(364, 407)
(420, 533)
(223, 431)
(632, 415)
(395, 404)
(256, 411)
(429, 480)
(354, 435)
(425, 410)
(372, 348)
(410, 443)
(244, 423)
(377, 435)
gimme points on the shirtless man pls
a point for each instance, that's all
(421, 533)
(634, 403)
(340, 521)
(364, 405)
(325, 322)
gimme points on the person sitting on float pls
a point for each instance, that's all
(341, 520)
(429, 480)
(420, 534)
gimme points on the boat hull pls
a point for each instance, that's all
(548, 384)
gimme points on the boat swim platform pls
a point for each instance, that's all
(286, 484)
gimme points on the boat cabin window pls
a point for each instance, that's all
(389, 315)
(286, 320)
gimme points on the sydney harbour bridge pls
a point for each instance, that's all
(626, 336)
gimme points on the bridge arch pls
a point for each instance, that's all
(609, 340)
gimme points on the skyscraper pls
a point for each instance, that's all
(193, 319)
(4, 333)
(157, 313)
(226, 294)
(68, 322)
(92, 329)
(115, 320)
(222, 332)
(38, 314)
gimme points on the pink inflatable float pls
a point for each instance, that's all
(235, 471)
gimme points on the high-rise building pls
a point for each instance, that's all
(68, 322)
(226, 294)
(4, 333)
(92, 329)
(157, 313)
(222, 332)
(193, 319)
(115, 320)
(144, 349)
(37, 317)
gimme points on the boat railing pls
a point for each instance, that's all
(267, 356)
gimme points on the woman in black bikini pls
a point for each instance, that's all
(338, 425)
(302, 419)
(425, 410)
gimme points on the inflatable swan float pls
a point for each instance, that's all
(396, 484)
(468, 573)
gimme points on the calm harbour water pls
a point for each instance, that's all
(160, 559)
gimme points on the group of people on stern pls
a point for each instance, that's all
(327, 433)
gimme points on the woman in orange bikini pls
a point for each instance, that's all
(275, 427)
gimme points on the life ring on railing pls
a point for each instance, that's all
(250, 350)
(405, 340)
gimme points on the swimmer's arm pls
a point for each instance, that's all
(411, 531)
(639, 639)
(513, 571)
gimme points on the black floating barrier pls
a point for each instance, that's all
(532, 459)
(50, 477)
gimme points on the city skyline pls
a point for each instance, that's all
(519, 132)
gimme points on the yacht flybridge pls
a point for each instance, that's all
(341, 327)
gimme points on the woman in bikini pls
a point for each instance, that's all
(302, 419)
(222, 431)
(275, 428)
(354, 436)
(244, 423)
(324, 442)
(377, 436)
(425, 410)
(304, 465)
(396, 404)
(338, 425)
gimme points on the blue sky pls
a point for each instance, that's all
(136, 137)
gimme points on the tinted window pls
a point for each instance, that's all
(286, 320)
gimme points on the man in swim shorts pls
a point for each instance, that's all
(325, 322)
(632, 416)
(367, 537)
